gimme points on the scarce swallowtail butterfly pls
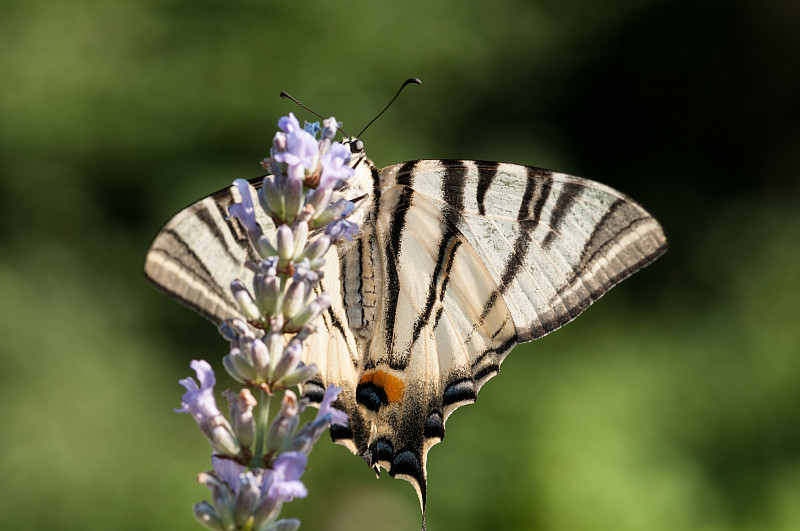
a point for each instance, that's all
(456, 262)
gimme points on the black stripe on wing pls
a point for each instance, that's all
(486, 173)
(393, 253)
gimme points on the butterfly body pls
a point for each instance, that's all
(455, 263)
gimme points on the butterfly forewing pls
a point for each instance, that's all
(553, 243)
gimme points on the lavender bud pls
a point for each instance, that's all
(264, 248)
(329, 128)
(245, 300)
(303, 441)
(289, 360)
(246, 498)
(233, 329)
(294, 197)
(241, 413)
(271, 198)
(317, 248)
(267, 509)
(284, 424)
(340, 209)
(267, 288)
(319, 200)
(285, 243)
(205, 514)
(244, 211)
(274, 341)
(279, 142)
(300, 237)
(222, 496)
(299, 375)
(309, 313)
(222, 439)
(238, 366)
(259, 356)
(294, 299)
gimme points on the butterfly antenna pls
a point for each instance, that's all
(410, 81)
(286, 95)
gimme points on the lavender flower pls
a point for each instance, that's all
(335, 166)
(245, 212)
(200, 403)
(304, 439)
(283, 481)
(341, 229)
(327, 413)
(301, 149)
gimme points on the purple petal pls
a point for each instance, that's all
(289, 123)
(325, 407)
(341, 229)
(228, 471)
(301, 147)
(244, 211)
(289, 490)
(199, 399)
(283, 481)
(290, 465)
(335, 166)
(304, 273)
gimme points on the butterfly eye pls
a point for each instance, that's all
(356, 146)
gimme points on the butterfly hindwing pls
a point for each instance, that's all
(428, 354)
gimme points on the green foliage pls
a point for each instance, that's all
(671, 404)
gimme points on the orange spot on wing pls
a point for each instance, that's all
(392, 385)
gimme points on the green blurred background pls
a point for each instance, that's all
(674, 403)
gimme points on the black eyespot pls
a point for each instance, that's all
(371, 396)
(356, 146)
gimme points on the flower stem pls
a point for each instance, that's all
(262, 425)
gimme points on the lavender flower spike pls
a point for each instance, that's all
(258, 465)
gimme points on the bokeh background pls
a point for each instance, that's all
(673, 403)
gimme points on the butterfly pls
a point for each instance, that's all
(456, 262)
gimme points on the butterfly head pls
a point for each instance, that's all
(355, 144)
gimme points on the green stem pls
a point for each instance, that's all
(262, 425)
